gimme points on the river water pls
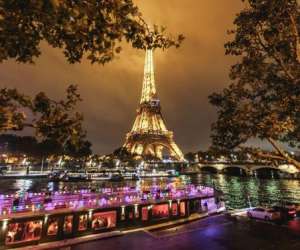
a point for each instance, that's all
(239, 192)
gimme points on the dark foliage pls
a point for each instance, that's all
(263, 100)
(91, 28)
(56, 124)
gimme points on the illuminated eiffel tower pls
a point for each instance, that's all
(149, 135)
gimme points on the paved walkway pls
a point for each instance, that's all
(215, 233)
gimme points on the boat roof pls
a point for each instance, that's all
(39, 204)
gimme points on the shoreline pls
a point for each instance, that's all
(45, 176)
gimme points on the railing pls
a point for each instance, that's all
(141, 132)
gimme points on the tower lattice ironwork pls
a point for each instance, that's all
(149, 135)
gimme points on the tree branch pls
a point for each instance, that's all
(283, 153)
(29, 125)
(276, 58)
(270, 156)
(296, 35)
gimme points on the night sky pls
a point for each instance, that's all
(184, 76)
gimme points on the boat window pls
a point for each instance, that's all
(52, 226)
(174, 209)
(208, 205)
(160, 211)
(68, 224)
(130, 215)
(83, 222)
(195, 206)
(104, 220)
(182, 208)
(136, 211)
(144, 213)
(23, 231)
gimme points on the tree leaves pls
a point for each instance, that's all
(263, 100)
(53, 121)
(91, 28)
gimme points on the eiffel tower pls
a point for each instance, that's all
(149, 135)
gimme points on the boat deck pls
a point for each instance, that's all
(29, 204)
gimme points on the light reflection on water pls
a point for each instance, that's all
(238, 191)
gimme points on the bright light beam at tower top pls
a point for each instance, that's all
(149, 90)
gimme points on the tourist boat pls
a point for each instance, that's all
(158, 174)
(57, 176)
(99, 176)
(116, 177)
(68, 176)
(81, 176)
(135, 177)
(45, 217)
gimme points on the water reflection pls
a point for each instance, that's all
(239, 192)
(242, 192)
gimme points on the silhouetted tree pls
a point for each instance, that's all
(263, 100)
(53, 121)
(92, 28)
(190, 156)
(79, 152)
(28, 145)
(18, 144)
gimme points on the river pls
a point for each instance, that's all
(239, 192)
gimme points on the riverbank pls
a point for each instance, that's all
(21, 176)
(213, 233)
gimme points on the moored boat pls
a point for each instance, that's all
(57, 176)
(81, 176)
(135, 177)
(68, 176)
(116, 177)
(44, 217)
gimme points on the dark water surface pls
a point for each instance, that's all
(238, 191)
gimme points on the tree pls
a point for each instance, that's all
(263, 100)
(49, 148)
(79, 152)
(17, 145)
(56, 123)
(190, 156)
(92, 27)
